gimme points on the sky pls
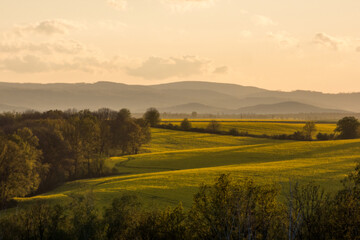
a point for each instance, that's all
(273, 44)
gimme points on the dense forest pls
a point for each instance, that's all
(228, 209)
(39, 151)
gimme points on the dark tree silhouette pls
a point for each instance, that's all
(213, 126)
(185, 124)
(152, 116)
(309, 129)
(348, 127)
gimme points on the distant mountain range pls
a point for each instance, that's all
(285, 108)
(178, 97)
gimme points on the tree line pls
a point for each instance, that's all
(227, 209)
(333, 117)
(39, 151)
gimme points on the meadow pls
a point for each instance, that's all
(174, 164)
(257, 127)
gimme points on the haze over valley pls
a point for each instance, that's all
(177, 97)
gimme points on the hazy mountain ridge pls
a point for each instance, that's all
(209, 96)
(194, 107)
(285, 108)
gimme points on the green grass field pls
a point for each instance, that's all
(175, 163)
(258, 127)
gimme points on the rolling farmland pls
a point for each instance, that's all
(257, 127)
(172, 167)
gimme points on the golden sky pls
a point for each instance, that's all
(273, 44)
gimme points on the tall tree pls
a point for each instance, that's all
(309, 129)
(152, 116)
(185, 124)
(20, 165)
(213, 126)
(348, 127)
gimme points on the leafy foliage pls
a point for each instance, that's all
(185, 124)
(227, 209)
(152, 116)
(348, 127)
(39, 151)
(20, 165)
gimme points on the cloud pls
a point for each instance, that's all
(221, 70)
(27, 64)
(47, 48)
(36, 64)
(24, 56)
(29, 49)
(328, 41)
(188, 5)
(262, 21)
(112, 25)
(162, 68)
(283, 39)
(120, 5)
(48, 27)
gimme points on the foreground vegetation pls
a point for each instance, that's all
(225, 210)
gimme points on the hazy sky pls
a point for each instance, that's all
(274, 44)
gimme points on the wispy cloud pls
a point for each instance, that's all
(36, 64)
(48, 27)
(120, 5)
(188, 5)
(29, 49)
(261, 20)
(283, 39)
(60, 46)
(112, 25)
(328, 41)
(162, 68)
(221, 70)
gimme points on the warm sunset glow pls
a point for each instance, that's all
(281, 44)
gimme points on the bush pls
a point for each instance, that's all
(213, 126)
(234, 132)
(325, 136)
(185, 124)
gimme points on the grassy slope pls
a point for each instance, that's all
(180, 161)
(255, 127)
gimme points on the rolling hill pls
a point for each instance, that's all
(208, 96)
(175, 163)
(286, 107)
(190, 107)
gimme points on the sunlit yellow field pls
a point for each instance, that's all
(175, 163)
(257, 127)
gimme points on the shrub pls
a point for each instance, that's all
(213, 126)
(185, 124)
(234, 132)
